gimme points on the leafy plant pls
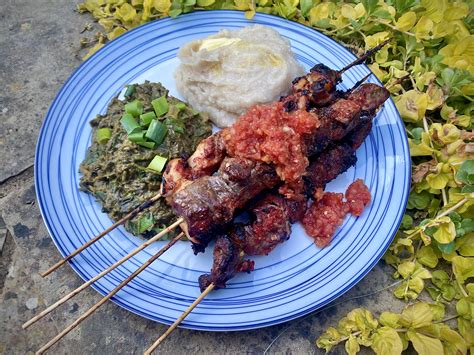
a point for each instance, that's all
(428, 67)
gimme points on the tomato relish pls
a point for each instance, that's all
(269, 134)
(327, 213)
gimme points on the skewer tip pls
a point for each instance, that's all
(180, 319)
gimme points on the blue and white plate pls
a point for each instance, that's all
(293, 280)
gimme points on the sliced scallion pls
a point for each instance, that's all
(149, 145)
(157, 164)
(135, 108)
(130, 91)
(129, 123)
(156, 131)
(137, 137)
(160, 106)
(146, 118)
(103, 135)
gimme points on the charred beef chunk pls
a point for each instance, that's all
(228, 260)
(209, 203)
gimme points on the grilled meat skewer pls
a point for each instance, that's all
(272, 215)
(209, 203)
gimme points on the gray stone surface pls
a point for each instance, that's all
(38, 45)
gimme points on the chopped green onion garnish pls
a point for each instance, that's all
(135, 108)
(129, 123)
(160, 106)
(157, 164)
(149, 145)
(137, 137)
(146, 118)
(130, 91)
(103, 135)
(180, 105)
(156, 131)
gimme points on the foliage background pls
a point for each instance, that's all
(428, 66)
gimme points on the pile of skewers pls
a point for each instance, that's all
(218, 182)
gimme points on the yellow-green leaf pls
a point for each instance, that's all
(387, 342)
(423, 28)
(406, 21)
(205, 3)
(455, 342)
(162, 5)
(427, 256)
(406, 268)
(412, 105)
(463, 268)
(445, 233)
(352, 346)
(390, 319)
(465, 245)
(416, 315)
(425, 345)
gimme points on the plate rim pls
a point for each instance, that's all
(342, 290)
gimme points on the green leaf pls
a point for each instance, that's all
(447, 248)
(407, 222)
(369, 5)
(352, 346)
(465, 173)
(465, 308)
(425, 345)
(305, 6)
(420, 201)
(416, 315)
(386, 341)
(463, 268)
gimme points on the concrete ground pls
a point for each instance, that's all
(39, 45)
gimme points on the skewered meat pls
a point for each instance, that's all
(270, 226)
(315, 89)
(345, 114)
(228, 260)
(204, 161)
(272, 215)
(328, 166)
(210, 202)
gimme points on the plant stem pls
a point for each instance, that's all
(453, 208)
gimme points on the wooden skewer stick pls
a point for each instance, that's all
(98, 276)
(365, 56)
(180, 319)
(107, 297)
(132, 214)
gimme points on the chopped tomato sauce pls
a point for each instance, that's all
(357, 197)
(327, 213)
(269, 134)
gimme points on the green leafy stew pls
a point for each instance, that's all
(130, 146)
